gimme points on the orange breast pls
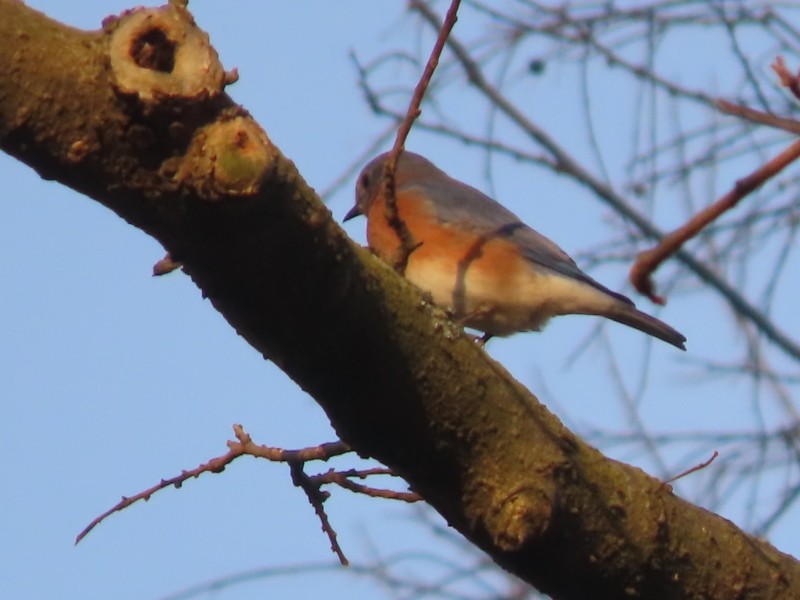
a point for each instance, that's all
(479, 276)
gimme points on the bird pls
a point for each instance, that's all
(477, 259)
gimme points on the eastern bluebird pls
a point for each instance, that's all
(478, 260)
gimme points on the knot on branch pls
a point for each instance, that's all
(159, 54)
(520, 519)
(230, 157)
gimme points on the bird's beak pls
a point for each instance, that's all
(352, 213)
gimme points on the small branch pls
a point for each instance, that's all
(788, 80)
(407, 242)
(316, 498)
(757, 116)
(649, 260)
(694, 469)
(343, 479)
(419, 92)
(243, 446)
(296, 459)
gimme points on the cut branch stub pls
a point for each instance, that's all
(159, 53)
(230, 157)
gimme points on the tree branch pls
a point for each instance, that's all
(397, 379)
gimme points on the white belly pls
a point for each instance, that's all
(523, 302)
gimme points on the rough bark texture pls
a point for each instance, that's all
(124, 116)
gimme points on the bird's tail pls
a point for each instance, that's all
(630, 316)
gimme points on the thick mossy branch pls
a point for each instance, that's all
(397, 379)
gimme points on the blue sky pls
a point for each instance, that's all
(113, 379)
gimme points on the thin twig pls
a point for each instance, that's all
(757, 116)
(694, 469)
(343, 479)
(649, 260)
(316, 498)
(788, 79)
(407, 242)
(243, 446)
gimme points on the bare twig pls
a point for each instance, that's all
(316, 498)
(649, 260)
(296, 459)
(760, 117)
(407, 242)
(343, 479)
(243, 446)
(694, 469)
(788, 79)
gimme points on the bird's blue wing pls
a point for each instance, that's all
(487, 217)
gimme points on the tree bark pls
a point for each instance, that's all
(135, 116)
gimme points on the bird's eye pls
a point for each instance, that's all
(365, 180)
